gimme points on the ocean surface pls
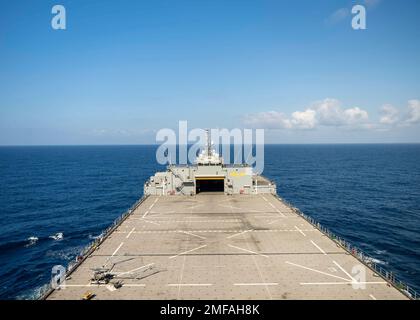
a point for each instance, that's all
(367, 194)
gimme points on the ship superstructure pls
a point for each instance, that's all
(208, 174)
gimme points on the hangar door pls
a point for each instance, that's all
(209, 184)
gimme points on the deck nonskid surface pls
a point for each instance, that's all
(214, 246)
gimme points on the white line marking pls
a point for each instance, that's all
(348, 274)
(152, 222)
(192, 234)
(182, 253)
(264, 198)
(234, 235)
(101, 285)
(259, 254)
(300, 231)
(319, 248)
(116, 250)
(337, 283)
(372, 296)
(145, 214)
(129, 234)
(189, 284)
(327, 274)
(281, 213)
(257, 284)
(229, 207)
(121, 273)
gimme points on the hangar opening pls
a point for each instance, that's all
(209, 184)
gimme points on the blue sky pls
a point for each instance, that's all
(124, 69)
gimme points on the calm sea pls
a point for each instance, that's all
(368, 194)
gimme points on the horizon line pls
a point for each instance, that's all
(156, 144)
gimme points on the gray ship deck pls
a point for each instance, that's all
(213, 246)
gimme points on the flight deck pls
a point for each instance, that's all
(216, 246)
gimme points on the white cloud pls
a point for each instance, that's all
(304, 119)
(268, 120)
(389, 115)
(355, 115)
(330, 113)
(327, 112)
(413, 112)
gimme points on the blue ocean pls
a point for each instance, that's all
(63, 197)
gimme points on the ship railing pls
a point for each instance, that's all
(47, 289)
(368, 261)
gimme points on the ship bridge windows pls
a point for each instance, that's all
(209, 184)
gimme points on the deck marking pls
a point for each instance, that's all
(237, 234)
(192, 234)
(300, 231)
(338, 283)
(189, 284)
(319, 248)
(260, 274)
(259, 254)
(229, 207)
(130, 271)
(318, 271)
(151, 206)
(129, 234)
(257, 284)
(152, 222)
(281, 213)
(372, 296)
(145, 214)
(183, 253)
(116, 250)
(348, 274)
(101, 285)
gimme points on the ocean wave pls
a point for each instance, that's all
(380, 251)
(65, 254)
(58, 236)
(95, 237)
(32, 241)
(377, 261)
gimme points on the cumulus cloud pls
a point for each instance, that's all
(268, 120)
(304, 119)
(330, 113)
(413, 115)
(389, 115)
(327, 112)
